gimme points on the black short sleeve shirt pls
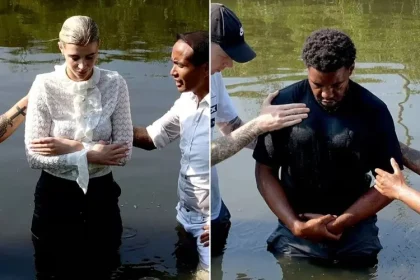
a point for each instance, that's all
(325, 159)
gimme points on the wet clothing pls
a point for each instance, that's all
(360, 241)
(73, 232)
(188, 120)
(325, 159)
(219, 231)
(85, 111)
(76, 224)
(193, 222)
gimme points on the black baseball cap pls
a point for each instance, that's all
(227, 31)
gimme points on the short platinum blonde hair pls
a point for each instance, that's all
(79, 30)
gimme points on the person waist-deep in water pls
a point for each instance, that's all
(188, 120)
(76, 224)
(324, 201)
(228, 45)
(189, 72)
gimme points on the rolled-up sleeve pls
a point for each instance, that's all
(166, 129)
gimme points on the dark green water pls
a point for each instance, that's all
(387, 35)
(137, 37)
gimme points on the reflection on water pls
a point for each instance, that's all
(136, 39)
(386, 38)
(141, 29)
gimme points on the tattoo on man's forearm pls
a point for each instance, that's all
(228, 145)
(235, 124)
(228, 127)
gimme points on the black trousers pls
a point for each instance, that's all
(76, 235)
(187, 258)
(220, 231)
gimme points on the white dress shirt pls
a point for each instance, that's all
(87, 111)
(189, 120)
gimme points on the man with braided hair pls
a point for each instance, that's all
(323, 199)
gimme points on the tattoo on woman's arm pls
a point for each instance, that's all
(5, 121)
(19, 111)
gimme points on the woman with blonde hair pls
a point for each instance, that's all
(72, 113)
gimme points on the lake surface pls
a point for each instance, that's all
(386, 34)
(136, 40)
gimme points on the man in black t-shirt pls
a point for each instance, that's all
(323, 200)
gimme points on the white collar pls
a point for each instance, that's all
(79, 87)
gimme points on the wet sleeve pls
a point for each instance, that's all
(166, 129)
(122, 126)
(264, 151)
(38, 125)
(385, 145)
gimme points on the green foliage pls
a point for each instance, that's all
(384, 31)
(139, 29)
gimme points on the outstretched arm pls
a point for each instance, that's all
(12, 119)
(238, 135)
(142, 139)
(246, 135)
(394, 186)
(228, 145)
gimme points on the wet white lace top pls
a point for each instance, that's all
(88, 111)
